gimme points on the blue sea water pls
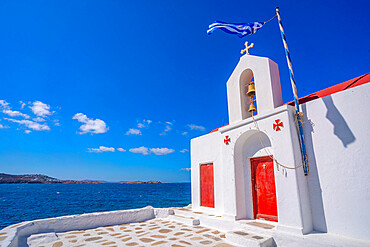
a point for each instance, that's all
(23, 202)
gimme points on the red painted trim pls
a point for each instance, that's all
(218, 128)
(267, 217)
(334, 89)
(264, 197)
(327, 91)
(254, 191)
(207, 194)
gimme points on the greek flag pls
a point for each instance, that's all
(240, 29)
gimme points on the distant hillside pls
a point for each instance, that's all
(142, 182)
(37, 179)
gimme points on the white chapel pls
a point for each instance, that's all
(251, 169)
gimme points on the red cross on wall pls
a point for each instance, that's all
(227, 140)
(276, 126)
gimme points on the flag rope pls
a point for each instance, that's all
(270, 19)
(298, 114)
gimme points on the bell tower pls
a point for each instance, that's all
(265, 74)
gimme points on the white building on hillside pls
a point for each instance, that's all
(243, 170)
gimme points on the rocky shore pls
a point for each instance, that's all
(37, 179)
(142, 182)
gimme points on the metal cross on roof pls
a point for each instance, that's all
(247, 47)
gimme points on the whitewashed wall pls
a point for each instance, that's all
(16, 235)
(207, 149)
(267, 82)
(294, 212)
(338, 142)
(233, 198)
(334, 198)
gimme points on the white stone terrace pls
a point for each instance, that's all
(175, 227)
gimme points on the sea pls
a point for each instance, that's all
(24, 202)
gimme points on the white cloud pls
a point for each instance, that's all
(4, 104)
(96, 126)
(3, 126)
(30, 124)
(101, 149)
(56, 122)
(185, 169)
(121, 149)
(144, 124)
(40, 109)
(133, 132)
(6, 109)
(39, 119)
(167, 128)
(157, 151)
(184, 133)
(196, 127)
(141, 150)
(22, 104)
(161, 151)
(15, 113)
(184, 151)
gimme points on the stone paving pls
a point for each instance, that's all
(156, 232)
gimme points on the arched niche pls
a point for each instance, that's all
(245, 78)
(250, 144)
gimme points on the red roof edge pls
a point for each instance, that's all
(218, 128)
(327, 91)
(334, 89)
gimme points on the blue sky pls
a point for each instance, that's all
(80, 79)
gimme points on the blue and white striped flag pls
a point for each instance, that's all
(240, 29)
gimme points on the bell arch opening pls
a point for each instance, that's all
(246, 78)
(250, 144)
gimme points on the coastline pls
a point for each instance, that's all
(44, 179)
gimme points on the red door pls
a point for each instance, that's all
(263, 188)
(207, 198)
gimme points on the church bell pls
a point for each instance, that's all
(251, 90)
(252, 108)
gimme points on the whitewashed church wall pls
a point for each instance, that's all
(338, 144)
(298, 196)
(292, 194)
(206, 149)
(267, 82)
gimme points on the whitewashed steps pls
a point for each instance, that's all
(184, 219)
(244, 238)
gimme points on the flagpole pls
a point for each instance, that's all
(298, 114)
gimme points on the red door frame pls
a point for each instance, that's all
(268, 204)
(207, 194)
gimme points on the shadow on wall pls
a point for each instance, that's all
(341, 129)
(345, 135)
(314, 185)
